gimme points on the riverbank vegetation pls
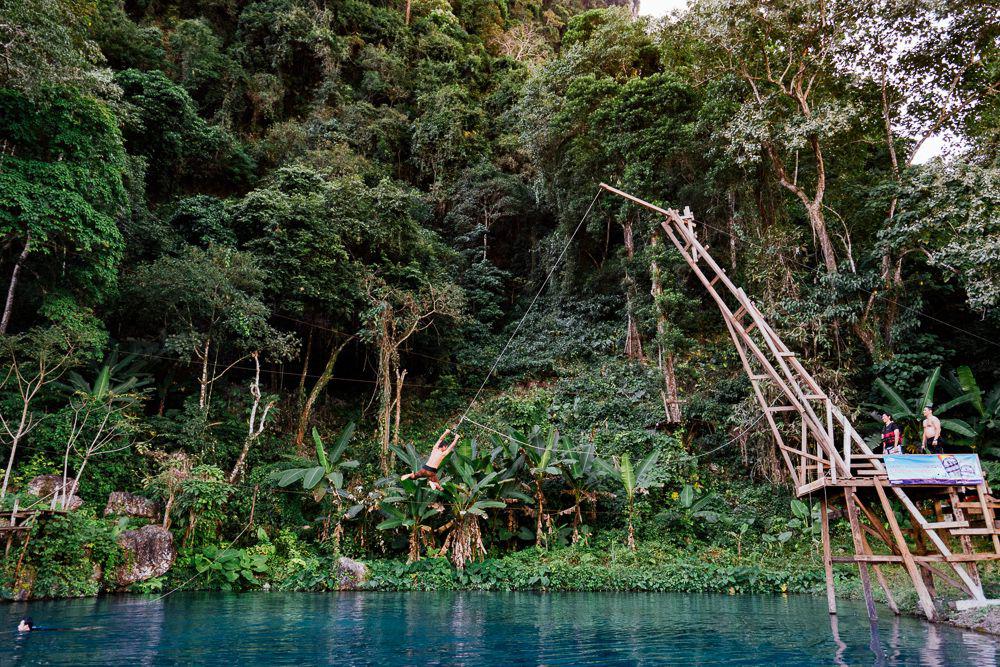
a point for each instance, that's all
(257, 255)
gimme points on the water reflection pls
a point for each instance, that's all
(487, 629)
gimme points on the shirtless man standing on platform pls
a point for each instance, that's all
(932, 433)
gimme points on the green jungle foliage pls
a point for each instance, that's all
(255, 256)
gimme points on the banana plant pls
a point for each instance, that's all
(539, 449)
(411, 506)
(637, 480)
(985, 405)
(114, 377)
(909, 415)
(582, 474)
(326, 479)
(467, 498)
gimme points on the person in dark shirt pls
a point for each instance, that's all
(892, 436)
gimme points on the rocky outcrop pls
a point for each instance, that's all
(44, 486)
(350, 574)
(149, 552)
(123, 503)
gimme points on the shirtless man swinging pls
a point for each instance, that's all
(429, 469)
(932, 433)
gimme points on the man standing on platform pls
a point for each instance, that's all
(892, 437)
(932, 433)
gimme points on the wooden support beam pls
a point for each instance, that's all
(936, 539)
(880, 578)
(948, 580)
(926, 604)
(824, 525)
(936, 525)
(965, 542)
(929, 558)
(974, 531)
(988, 518)
(804, 455)
(859, 549)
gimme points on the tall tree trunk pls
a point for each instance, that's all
(400, 376)
(16, 438)
(664, 358)
(203, 390)
(8, 305)
(256, 422)
(314, 393)
(633, 342)
(305, 367)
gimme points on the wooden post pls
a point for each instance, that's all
(824, 524)
(989, 520)
(957, 514)
(859, 548)
(880, 578)
(926, 603)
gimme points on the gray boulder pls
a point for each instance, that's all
(44, 486)
(123, 503)
(350, 574)
(149, 552)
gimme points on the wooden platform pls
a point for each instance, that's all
(827, 458)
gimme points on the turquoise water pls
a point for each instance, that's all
(482, 629)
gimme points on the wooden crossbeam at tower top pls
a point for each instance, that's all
(823, 452)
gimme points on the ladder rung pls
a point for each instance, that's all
(938, 525)
(783, 408)
(760, 377)
(973, 531)
(786, 354)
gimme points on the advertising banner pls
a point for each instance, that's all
(957, 469)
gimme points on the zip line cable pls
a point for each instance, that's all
(745, 431)
(524, 317)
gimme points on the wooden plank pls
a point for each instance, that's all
(904, 550)
(868, 558)
(804, 455)
(951, 582)
(948, 524)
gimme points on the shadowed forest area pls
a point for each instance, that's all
(255, 256)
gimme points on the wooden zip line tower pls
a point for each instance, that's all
(826, 455)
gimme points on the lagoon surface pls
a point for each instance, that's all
(482, 629)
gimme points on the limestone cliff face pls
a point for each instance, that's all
(122, 503)
(149, 553)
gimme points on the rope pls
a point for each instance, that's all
(198, 574)
(524, 317)
(746, 430)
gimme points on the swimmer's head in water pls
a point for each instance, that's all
(26, 624)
